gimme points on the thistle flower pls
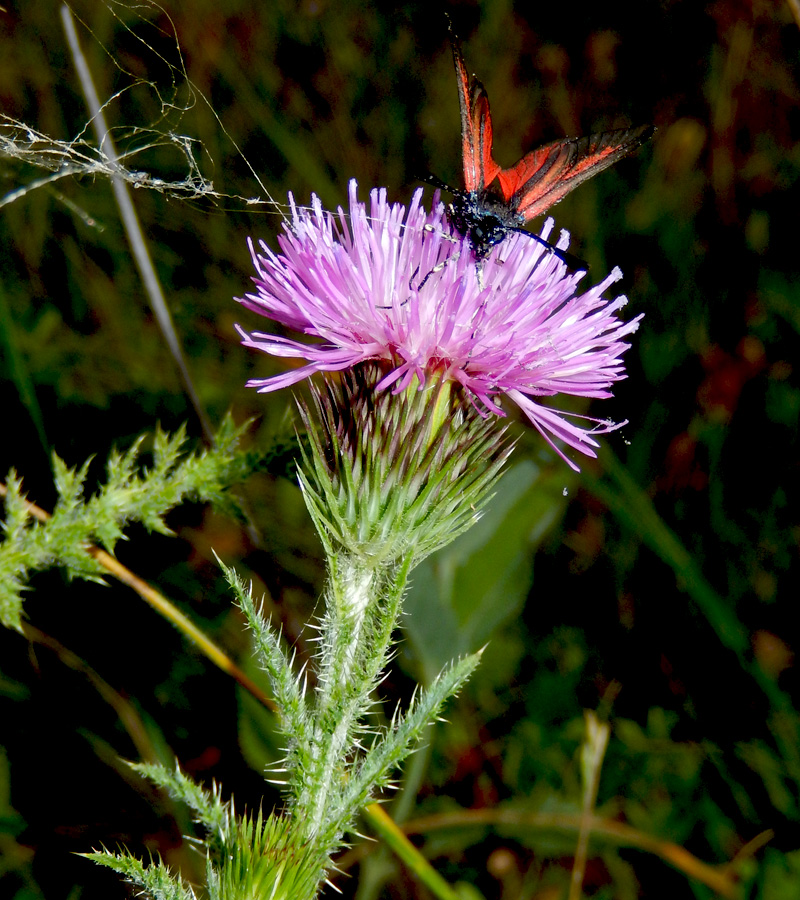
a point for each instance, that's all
(398, 287)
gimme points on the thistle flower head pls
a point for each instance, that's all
(393, 285)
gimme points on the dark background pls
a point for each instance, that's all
(655, 587)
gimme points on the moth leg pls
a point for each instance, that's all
(437, 268)
(401, 304)
(444, 234)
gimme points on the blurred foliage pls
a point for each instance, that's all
(655, 587)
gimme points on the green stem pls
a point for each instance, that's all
(408, 853)
(362, 609)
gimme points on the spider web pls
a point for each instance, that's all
(54, 159)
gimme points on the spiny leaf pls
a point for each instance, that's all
(129, 495)
(156, 879)
(206, 805)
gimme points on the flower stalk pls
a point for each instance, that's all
(377, 517)
(356, 640)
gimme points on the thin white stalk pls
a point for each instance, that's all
(130, 221)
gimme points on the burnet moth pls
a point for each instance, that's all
(496, 201)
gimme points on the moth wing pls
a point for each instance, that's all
(546, 175)
(476, 127)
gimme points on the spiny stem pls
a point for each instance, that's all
(363, 609)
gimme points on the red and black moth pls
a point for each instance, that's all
(496, 201)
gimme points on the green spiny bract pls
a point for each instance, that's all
(391, 475)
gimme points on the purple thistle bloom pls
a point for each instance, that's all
(394, 285)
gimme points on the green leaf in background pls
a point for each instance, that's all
(484, 577)
(17, 372)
